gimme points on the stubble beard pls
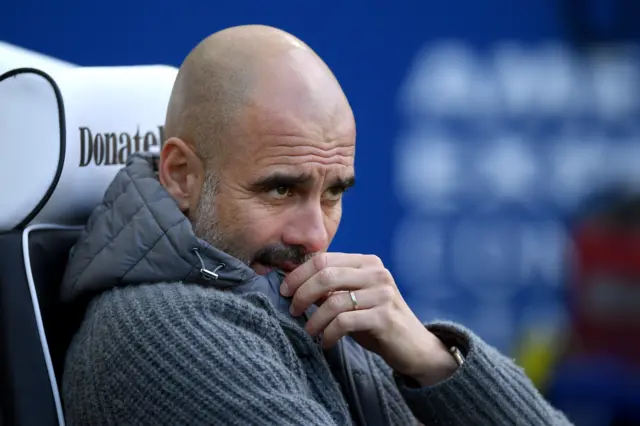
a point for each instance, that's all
(208, 227)
(206, 224)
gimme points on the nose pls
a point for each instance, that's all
(306, 227)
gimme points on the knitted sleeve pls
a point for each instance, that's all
(487, 389)
(162, 355)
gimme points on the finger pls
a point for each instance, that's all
(326, 281)
(322, 299)
(322, 261)
(341, 302)
(346, 323)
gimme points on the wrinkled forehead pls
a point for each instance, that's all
(300, 138)
(292, 143)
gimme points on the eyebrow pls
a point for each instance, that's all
(292, 180)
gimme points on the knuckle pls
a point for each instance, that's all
(326, 276)
(387, 293)
(334, 302)
(343, 322)
(320, 261)
(372, 259)
(383, 275)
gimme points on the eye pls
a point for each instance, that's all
(334, 194)
(280, 192)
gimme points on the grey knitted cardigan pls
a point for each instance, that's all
(177, 336)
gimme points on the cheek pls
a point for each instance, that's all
(256, 223)
(332, 220)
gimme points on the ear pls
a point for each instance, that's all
(181, 172)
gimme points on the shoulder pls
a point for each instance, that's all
(163, 321)
(161, 329)
(147, 312)
(174, 342)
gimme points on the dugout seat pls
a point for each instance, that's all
(64, 135)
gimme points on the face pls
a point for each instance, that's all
(275, 198)
(278, 199)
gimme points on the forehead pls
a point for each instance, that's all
(299, 137)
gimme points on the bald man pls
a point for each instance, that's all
(212, 296)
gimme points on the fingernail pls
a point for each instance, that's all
(292, 311)
(284, 289)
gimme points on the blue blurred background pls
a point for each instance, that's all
(493, 138)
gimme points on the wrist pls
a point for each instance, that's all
(438, 363)
(442, 364)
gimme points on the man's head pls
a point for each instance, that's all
(260, 148)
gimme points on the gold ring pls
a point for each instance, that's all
(354, 300)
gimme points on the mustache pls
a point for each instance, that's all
(279, 254)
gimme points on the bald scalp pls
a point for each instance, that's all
(253, 102)
(216, 80)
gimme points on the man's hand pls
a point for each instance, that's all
(381, 321)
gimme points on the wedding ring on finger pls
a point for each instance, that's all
(354, 300)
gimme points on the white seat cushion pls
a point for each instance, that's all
(64, 135)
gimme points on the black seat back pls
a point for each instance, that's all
(35, 328)
(49, 251)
